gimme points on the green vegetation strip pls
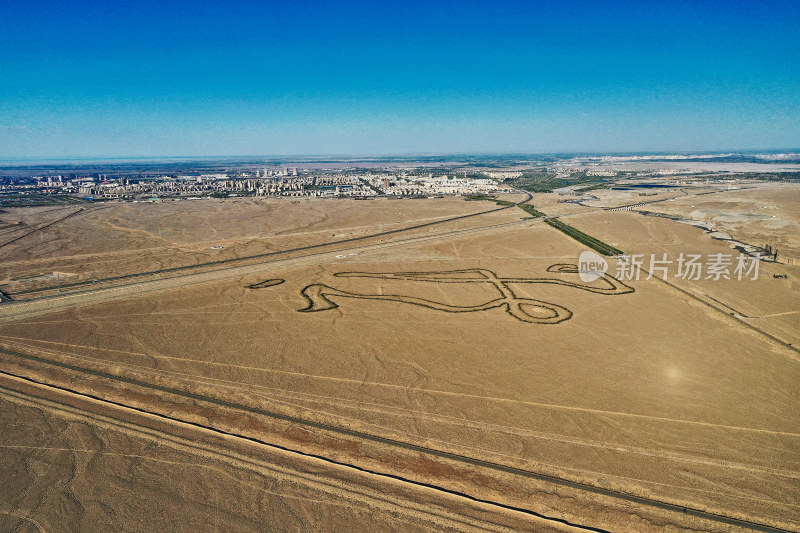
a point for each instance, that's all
(578, 235)
(474, 197)
(545, 182)
(535, 213)
(588, 240)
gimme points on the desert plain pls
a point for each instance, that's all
(399, 365)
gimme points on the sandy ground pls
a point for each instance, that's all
(760, 215)
(78, 470)
(651, 392)
(122, 238)
(769, 302)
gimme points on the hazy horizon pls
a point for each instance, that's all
(409, 155)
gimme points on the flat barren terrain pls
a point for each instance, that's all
(751, 214)
(448, 377)
(118, 239)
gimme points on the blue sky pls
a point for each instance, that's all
(119, 78)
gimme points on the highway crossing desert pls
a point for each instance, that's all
(405, 365)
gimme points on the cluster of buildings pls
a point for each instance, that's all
(503, 175)
(287, 182)
(566, 172)
(416, 185)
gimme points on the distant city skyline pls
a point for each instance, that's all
(142, 79)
